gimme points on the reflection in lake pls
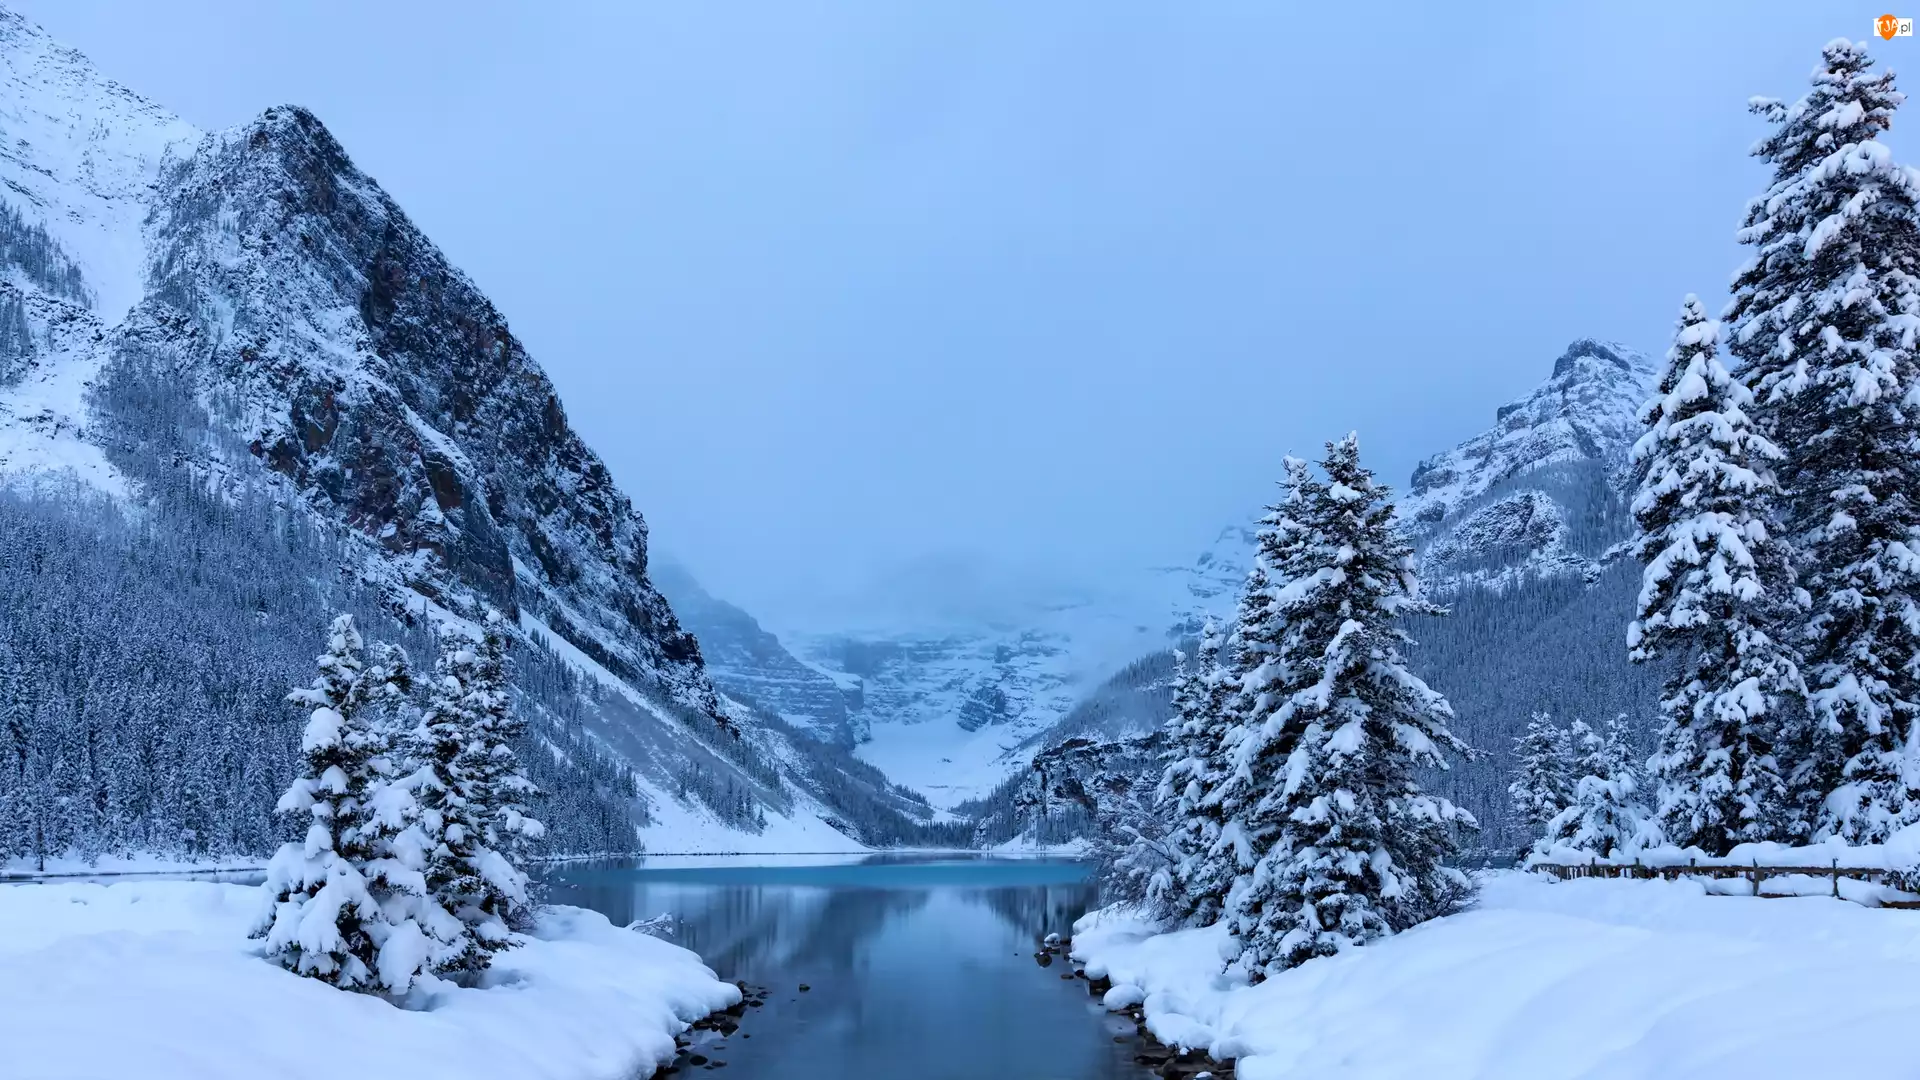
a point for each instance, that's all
(917, 968)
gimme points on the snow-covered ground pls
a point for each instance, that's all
(1024, 846)
(157, 979)
(946, 763)
(681, 829)
(73, 866)
(1591, 979)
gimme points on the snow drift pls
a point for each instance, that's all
(158, 979)
(1595, 979)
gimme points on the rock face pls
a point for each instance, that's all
(1588, 411)
(1539, 493)
(1210, 584)
(247, 312)
(750, 664)
(389, 391)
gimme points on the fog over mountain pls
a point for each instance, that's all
(996, 282)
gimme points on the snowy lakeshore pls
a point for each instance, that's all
(158, 979)
(1590, 978)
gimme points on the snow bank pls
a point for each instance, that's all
(1592, 978)
(157, 979)
(1901, 851)
(133, 863)
(1024, 845)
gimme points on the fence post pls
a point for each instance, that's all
(1836, 877)
(1756, 877)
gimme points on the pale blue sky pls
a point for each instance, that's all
(1041, 288)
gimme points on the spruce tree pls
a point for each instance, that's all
(1823, 321)
(1543, 783)
(16, 743)
(348, 903)
(1199, 880)
(1716, 589)
(1606, 817)
(1262, 677)
(1176, 776)
(1347, 846)
(501, 793)
(460, 801)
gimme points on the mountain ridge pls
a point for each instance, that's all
(1534, 502)
(203, 325)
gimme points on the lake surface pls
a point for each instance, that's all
(918, 968)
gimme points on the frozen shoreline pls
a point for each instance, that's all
(1592, 978)
(140, 866)
(166, 971)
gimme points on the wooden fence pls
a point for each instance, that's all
(1756, 874)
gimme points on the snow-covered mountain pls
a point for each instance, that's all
(945, 711)
(1210, 584)
(1538, 494)
(193, 322)
(947, 706)
(1518, 530)
(750, 664)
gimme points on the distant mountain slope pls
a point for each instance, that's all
(950, 709)
(945, 705)
(241, 324)
(749, 663)
(1517, 529)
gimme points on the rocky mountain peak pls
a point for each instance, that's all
(375, 377)
(1588, 410)
(1588, 350)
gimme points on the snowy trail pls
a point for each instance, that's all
(1590, 979)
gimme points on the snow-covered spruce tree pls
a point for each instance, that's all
(1606, 817)
(1717, 588)
(1197, 880)
(464, 789)
(1347, 847)
(502, 793)
(347, 903)
(16, 751)
(1259, 677)
(1542, 775)
(1823, 320)
(1165, 898)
